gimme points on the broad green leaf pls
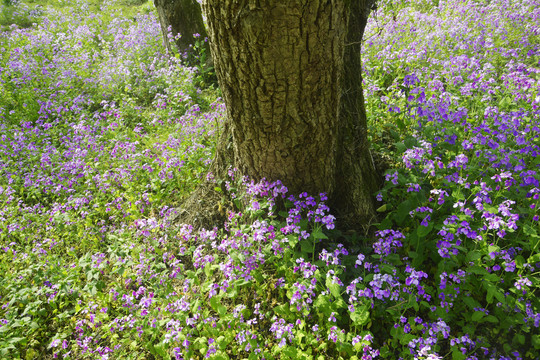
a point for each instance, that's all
(491, 319)
(474, 255)
(477, 315)
(402, 211)
(306, 246)
(360, 316)
(318, 234)
(423, 231)
(471, 303)
(530, 231)
(335, 289)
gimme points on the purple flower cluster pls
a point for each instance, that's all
(388, 241)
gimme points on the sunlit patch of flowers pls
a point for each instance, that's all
(465, 194)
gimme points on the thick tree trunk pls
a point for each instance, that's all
(185, 18)
(356, 180)
(295, 107)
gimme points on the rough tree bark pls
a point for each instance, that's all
(356, 180)
(185, 18)
(289, 71)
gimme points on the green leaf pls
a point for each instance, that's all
(491, 319)
(282, 310)
(492, 277)
(335, 289)
(220, 356)
(385, 224)
(322, 304)
(477, 315)
(536, 341)
(493, 248)
(161, 351)
(402, 211)
(423, 231)
(534, 259)
(404, 339)
(457, 354)
(413, 302)
(471, 303)
(474, 255)
(222, 342)
(214, 303)
(493, 291)
(411, 141)
(400, 147)
(291, 352)
(306, 246)
(318, 234)
(16, 340)
(208, 270)
(520, 339)
(505, 101)
(232, 293)
(360, 316)
(490, 292)
(530, 231)
(519, 261)
(478, 270)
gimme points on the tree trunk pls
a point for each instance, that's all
(290, 76)
(356, 179)
(185, 18)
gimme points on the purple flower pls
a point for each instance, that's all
(415, 276)
(333, 334)
(55, 343)
(359, 260)
(332, 317)
(510, 266)
(521, 282)
(392, 177)
(388, 241)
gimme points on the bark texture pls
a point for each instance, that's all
(185, 18)
(356, 178)
(290, 75)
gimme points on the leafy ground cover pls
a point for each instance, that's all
(102, 135)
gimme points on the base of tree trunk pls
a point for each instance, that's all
(204, 208)
(208, 208)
